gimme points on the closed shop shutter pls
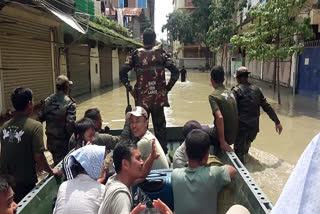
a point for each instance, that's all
(79, 69)
(26, 58)
(105, 57)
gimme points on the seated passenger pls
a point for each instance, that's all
(83, 194)
(84, 130)
(138, 120)
(224, 110)
(129, 168)
(7, 205)
(180, 158)
(195, 188)
(101, 138)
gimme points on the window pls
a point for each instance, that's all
(121, 3)
(142, 3)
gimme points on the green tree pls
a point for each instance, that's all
(178, 26)
(273, 32)
(222, 25)
(201, 24)
(190, 26)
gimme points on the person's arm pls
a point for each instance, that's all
(220, 127)
(153, 156)
(38, 148)
(232, 171)
(42, 164)
(174, 72)
(162, 207)
(271, 113)
(128, 65)
(147, 166)
(71, 118)
(138, 209)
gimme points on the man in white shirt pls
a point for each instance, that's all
(129, 168)
(138, 120)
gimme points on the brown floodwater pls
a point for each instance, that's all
(272, 157)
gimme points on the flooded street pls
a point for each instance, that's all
(272, 157)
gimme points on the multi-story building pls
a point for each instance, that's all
(147, 5)
(188, 55)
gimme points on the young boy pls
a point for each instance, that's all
(7, 205)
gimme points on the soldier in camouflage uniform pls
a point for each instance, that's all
(249, 99)
(151, 90)
(59, 112)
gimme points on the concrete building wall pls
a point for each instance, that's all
(191, 62)
(94, 69)
(115, 66)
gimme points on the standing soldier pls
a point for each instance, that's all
(151, 89)
(249, 99)
(59, 112)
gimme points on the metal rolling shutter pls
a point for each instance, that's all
(105, 58)
(26, 58)
(79, 69)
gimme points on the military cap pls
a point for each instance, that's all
(62, 79)
(241, 71)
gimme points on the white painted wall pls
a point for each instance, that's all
(115, 67)
(179, 4)
(94, 69)
(63, 64)
(97, 7)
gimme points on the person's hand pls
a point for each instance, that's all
(162, 207)
(57, 172)
(279, 128)
(138, 209)
(154, 153)
(128, 109)
(168, 88)
(86, 143)
(128, 86)
(225, 146)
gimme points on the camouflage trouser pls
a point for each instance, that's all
(243, 143)
(159, 125)
(58, 149)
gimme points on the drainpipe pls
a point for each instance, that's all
(52, 60)
(294, 69)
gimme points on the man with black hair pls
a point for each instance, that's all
(249, 99)
(22, 145)
(224, 110)
(151, 90)
(7, 204)
(129, 168)
(195, 188)
(180, 158)
(59, 112)
(84, 132)
(101, 138)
